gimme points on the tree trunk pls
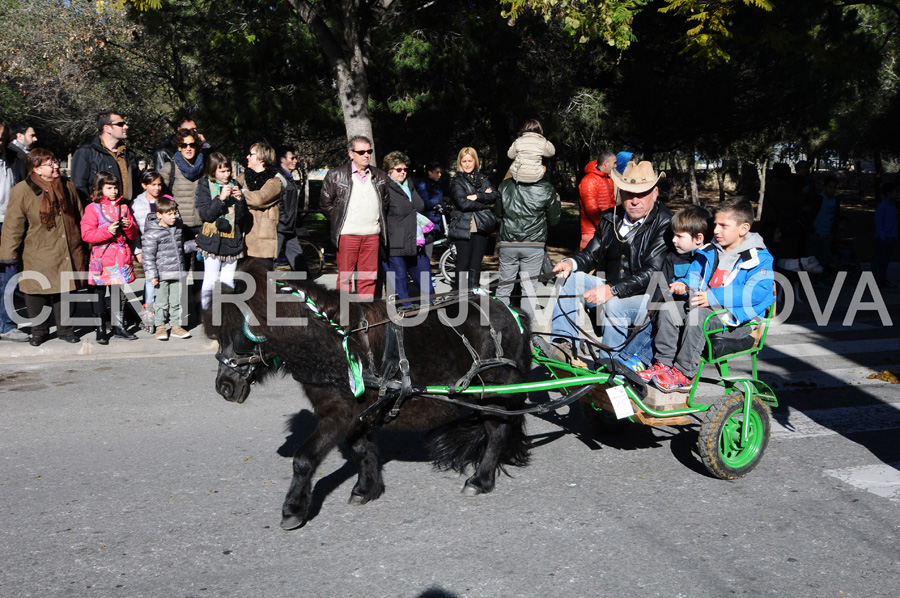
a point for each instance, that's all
(720, 180)
(761, 168)
(348, 57)
(879, 172)
(692, 177)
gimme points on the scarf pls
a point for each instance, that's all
(256, 180)
(53, 200)
(475, 178)
(191, 173)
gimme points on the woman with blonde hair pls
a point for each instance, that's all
(472, 220)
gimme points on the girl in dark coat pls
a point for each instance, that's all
(472, 220)
(221, 205)
(405, 220)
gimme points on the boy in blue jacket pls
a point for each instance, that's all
(733, 273)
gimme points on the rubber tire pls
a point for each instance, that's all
(719, 440)
(447, 264)
(603, 422)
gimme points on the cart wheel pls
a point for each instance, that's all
(447, 264)
(602, 421)
(721, 449)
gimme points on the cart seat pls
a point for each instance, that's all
(721, 346)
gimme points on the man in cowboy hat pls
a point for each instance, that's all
(628, 247)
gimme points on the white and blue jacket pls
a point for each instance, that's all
(747, 289)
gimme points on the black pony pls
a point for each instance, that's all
(319, 356)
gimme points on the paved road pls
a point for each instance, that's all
(124, 474)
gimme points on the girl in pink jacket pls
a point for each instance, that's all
(108, 225)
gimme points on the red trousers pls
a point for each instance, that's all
(358, 253)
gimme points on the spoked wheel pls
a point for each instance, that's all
(448, 264)
(722, 451)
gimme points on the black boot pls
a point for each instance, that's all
(122, 333)
(102, 339)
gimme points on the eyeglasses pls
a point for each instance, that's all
(252, 154)
(362, 152)
(51, 164)
(400, 169)
(121, 123)
(194, 145)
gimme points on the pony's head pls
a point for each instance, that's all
(242, 361)
(243, 356)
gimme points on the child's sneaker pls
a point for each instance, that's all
(633, 363)
(671, 380)
(653, 371)
(161, 333)
(179, 332)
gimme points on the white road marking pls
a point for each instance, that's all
(840, 420)
(834, 348)
(882, 480)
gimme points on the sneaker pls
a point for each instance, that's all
(671, 380)
(633, 363)
(162, 334)
(179, 332)
(653, 371)
(15, 335)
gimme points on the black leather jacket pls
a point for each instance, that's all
(336, 195)
(91, 158)
(643, 253)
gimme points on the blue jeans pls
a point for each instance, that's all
(615, 316)
(6, 323)
(418, 266)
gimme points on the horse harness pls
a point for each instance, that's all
(394, 361)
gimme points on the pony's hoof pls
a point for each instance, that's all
(470, 490)
(292, 522)
(357, 500)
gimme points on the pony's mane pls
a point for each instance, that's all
(327, 301)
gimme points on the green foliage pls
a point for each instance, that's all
(609, 20)
(709, 21)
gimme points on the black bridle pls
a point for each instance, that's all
(249, 353)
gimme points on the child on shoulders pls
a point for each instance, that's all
(733, 273)
(164, 265)
(527, 153)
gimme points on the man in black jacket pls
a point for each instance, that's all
(628, 247)
(107, 152)
(288, 210)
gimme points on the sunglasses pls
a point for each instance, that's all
(121, 123)
(194, 145)
(362, 152)
(400, 169)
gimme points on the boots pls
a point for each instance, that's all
(122, 333)
(102, 339)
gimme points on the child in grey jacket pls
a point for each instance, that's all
(164, 265)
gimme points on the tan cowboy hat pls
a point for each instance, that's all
(637, 178)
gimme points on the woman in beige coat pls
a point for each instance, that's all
(262, 190)
(42, 226)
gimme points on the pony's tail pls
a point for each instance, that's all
(462, 444)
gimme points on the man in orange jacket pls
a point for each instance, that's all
(597, 194)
